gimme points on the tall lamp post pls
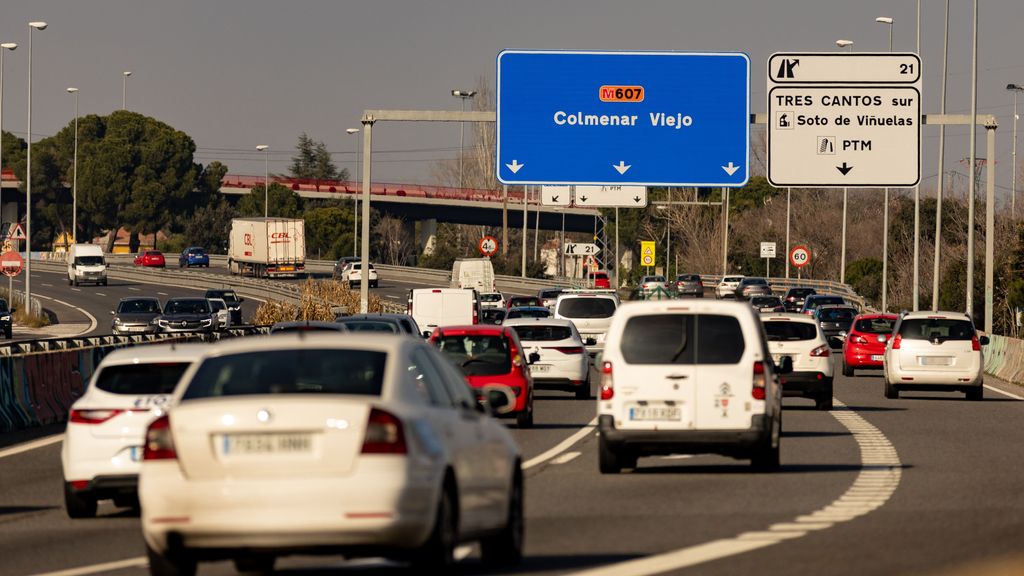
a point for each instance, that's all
(846, 193)
(885, 219)
(464, 95)
(4, 46)
(1015, 88)
(124, 89)
(355, 198)
(28, 173)
(74, 178)
(266, 178)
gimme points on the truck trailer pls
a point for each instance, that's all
(267, 247)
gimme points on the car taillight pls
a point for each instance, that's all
(569, 349)
(858, 339)
(92, 416)
(159, 443)
(822, 351)
(975, 344)
(759, 381)
(384, 434)
(607, 382)
(896, 341)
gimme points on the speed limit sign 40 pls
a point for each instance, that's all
(800, 256)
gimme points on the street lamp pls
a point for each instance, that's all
(28, 173)
(266, 178)
(885, 218)
(74, 180)
(355, 198)
(846, 193)
(4, 46)
(464, 95)
(124, 89)
(1015, 88)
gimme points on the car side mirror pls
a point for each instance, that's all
(426, 335)
(984, 340)
(534, 357)
(882, 338)
(498, 399)
(785, 365)
(590, 341)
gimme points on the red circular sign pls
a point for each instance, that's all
(800, 256)
(11, 263)
(488, 246)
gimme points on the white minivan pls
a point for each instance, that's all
(435, 307)
(86, 264)
(935, 351)
(688, 377)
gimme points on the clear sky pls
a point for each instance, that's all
(237, 73)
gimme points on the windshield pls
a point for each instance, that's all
(541, 333)
(154, 378)
(138, 307)
(477, 355)
(187, 307)
(316, 371)
(88, 260)
(529, 313)
(490, 297)
(936, 329)
(790, 331)
(586, 307)
(876, 325)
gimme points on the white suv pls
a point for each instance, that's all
(691, 379)
(801, 338)
(106, 429)
(935, 351)
(590, 311)
(727, 287)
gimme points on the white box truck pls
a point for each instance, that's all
(476, 273)
(267, 247)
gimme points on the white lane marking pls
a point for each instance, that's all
(26, 446)
(99, 568)
(163, 293)
(561, 447)
(134, 289)
(1004, 392)
(92, 319)
(76, 289)
(391, 296)
(677, 457)
(566, 458)
(100, 294)
(879, 476)
(48, 285)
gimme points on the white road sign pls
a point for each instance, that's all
(844, 120)
(556, 195)
(612, 196)
(767, 249)
(582, 250)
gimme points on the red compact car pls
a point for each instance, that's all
(864, 347)
(600, 279)
(151, 259)
(490, 355)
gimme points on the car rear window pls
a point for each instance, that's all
(524, 301)
(765, 301)
(312, 371)
(801, 292)
(490, 297)
(682, 339)
(551, 293)
(838, 315)
(688, 278)
(782, 331)
(732, 278)
(370, 326)
(153, 378)
(815, 302)
(540, 333)
(936, 328)
(875, 325)
(477, 355)
(757, 281)
(586, 307)
(599, 276)
(528, 313)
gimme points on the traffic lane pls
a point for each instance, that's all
(557, 416)
(959, 500)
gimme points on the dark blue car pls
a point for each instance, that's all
(193, 256)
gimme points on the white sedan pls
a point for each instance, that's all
(555, 352)
(102, 448)
(355, 444)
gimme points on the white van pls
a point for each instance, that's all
(476, 273)
(86, 264)
(435, 307)
(688, 377)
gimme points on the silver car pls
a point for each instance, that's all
(221, 313)
(136, 316)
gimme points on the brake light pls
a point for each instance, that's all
(896, 341)
(159, 443)
(760, 382)
(92, 416)
(607, 382)
(384, 434)
(858, 339)
(822, 351)
(975, 344)
(569, 349)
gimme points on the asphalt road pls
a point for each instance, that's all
(958, 500)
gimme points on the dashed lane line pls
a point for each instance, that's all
(26, 446)
(566, 458)
(562, 446)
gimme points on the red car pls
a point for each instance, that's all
(864, 347)
(151, 259)
(490, 355)
(600, 279)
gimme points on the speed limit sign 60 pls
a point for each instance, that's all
(800, 256)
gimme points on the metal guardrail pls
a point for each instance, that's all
(57, 344)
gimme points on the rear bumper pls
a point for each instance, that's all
(806, 384)
(862, 360)
(732, 442)
(934, 380)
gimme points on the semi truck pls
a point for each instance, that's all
(267, 247)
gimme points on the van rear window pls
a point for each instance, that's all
(683, 339)
(936, 329)
(784, 331)
(586, 307)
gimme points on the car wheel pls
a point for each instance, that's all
(525, 419)
(891, 392)
(767, 456)
(583, 392)
(76, 282)
(847, 370)
(69, 282)
(78, 504)
(180, 564)
(104, 282)
(823, 402)
(977, 393)
(8, 334)
(255, 564)
(506, 547)
(438, 552)
(609, 461)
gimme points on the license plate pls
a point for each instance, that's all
(540, 368)
(935, 360)
(877, 357)
(267, 444)
(661, 413)
(287, 268)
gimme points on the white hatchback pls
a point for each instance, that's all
(555, 352)
(935, 351)
(492, 300)
(106, 428)
(688, 377)
(800, 337)
(352, 444)
(727, 286)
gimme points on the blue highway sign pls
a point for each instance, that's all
(618, 118)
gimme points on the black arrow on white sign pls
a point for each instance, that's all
(554, 198)
(583, 198)
(844, 169)
(636, 199)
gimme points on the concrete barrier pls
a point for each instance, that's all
(1004, 358)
